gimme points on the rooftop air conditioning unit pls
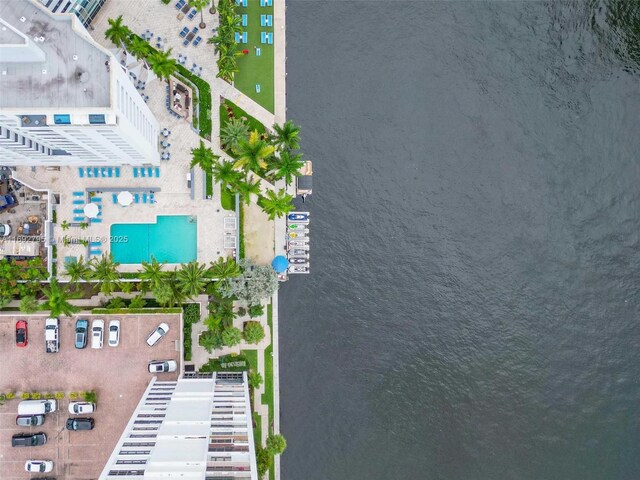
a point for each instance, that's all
(35, 198)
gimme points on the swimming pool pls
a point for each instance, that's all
(172, 239)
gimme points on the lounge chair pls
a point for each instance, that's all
(114, 197)
(78, 202)
(136, 198)
(184, 31)
(95, 252)
(117, 172)
(78, 218)
(263, 37)
(244, 37)
(258, 88)
(142, 172)
(157, 171)
(96, 172)
(110, 172)
(78, 194)
(197, 41)
(81, 172)
(96, 200)
(89, 172)
(150, 172)
(152, 198)
(96, 220)
(237, 37)
(95, 244)
(192, 14)
(135, 172)
(78, 211)
(244, 20)
(144, 198)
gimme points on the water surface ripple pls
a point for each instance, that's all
(473, 308)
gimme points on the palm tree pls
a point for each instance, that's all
(58, 300)
(138, 47)
(77, 269)
(204, 157)
(162, 64)
(199, 6)
(288, 166)
(191, 279)
(276, 204)
(247, 188)
(105, 270)
(232, 132)
(287, 136)
(64, 225)
(227, 67)
(152, 272)
(117, 32)
(225, 174)
(252, 153)
(224, 268)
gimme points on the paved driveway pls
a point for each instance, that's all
(118, 375)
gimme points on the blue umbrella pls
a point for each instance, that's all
(280, 264)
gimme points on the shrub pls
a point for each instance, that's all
(126, 287)
(36, 396)
(256, 310)
(276, 444)
(255, 379)
(73, 396)
(59, 395)
(191, 313)
(242, 312)
(49, 395)
(90, 396)
(231, 336)
(253, 332)
(10, 395)
(28, 304)
(116, 302)
(263, 461)
(3, 397)
(137, 302)
(26, 396)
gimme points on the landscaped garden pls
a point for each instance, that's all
(253, 69)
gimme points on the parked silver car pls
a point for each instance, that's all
(157, 333)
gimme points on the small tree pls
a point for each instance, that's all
(73, 396)
(231, 336)
(26, 395)
(137, 302)
(49, 395)
(59, 395)
(256, 283)
(276, 444)
(29, 304)
(36, 395)
(116, 302)
(255, 379)
(211, 340)
(256, 310)
(10, 395)
(253, 332)
(90, 396)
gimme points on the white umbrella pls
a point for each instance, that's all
(135, 69)
(125, 198)
(147, 75)
(131, 60)
(91, 210)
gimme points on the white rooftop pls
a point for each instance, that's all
(46, 63)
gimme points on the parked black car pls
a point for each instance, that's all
(83, 423)
(28, 439)
(29, 420)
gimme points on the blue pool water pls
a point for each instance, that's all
(171, 239)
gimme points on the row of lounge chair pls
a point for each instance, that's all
(266, 20)
(98, 172)
(146, 172)
(241, 37)
(266, 37)
(266, 3)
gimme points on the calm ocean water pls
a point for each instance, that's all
(473, 308)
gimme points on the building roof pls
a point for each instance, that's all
(48, 60)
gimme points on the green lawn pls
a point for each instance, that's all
(227, 199)
(255, 69)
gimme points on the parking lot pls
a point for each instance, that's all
(118, 375)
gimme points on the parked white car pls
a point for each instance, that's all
(97, 333)
(38, 466)
(80, 408)
(114, 333)
(5, 230)
(159, 332)
(162, 366)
